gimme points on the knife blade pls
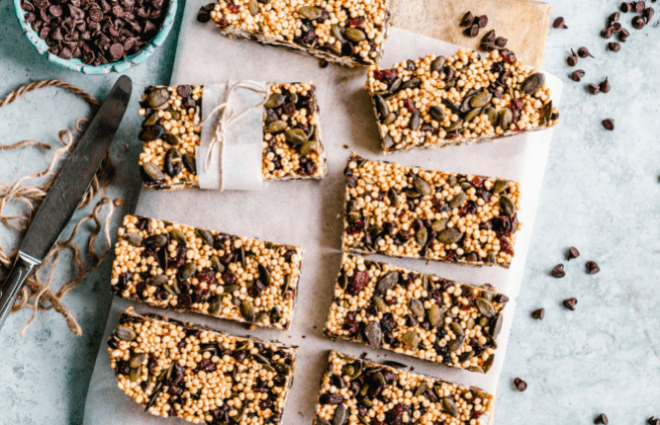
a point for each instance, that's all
(67, 190)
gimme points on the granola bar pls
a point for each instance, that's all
(404, 211)
(172, 266)
(355, 391)
(418, 315)
(433, 102)
(198, 374)
(349, 32)
(292, 147)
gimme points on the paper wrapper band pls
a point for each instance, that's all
(230, 153)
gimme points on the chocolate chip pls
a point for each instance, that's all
(323, 63)
(592, 267)
(558, 272)
(577, 75)
(538, 314)
(605, 86)
(468, 18)
(501, 42)
(639, 6)
(583, 52)
(572, 253)
(626, 7)
(559, 23)
(601, 419)
(594, 88)
(613, 18)
(616, 28)
(623, 35)
(184, 90)
(572, 60)
(654, 421)
(489, 37)
(520, 384)
(613, 46)
(608, 124)
(473, 31)
(638, 22)
(482, 21)
(570, 303)
(648, 14)
(606, 33)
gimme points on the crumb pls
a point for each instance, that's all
(127, 148)
(345, 146)
(118, 202)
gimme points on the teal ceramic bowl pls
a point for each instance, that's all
(77, 65)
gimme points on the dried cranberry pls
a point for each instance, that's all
(229, 278)
(410, 106)
(174, 390)
(508, 56)
(351, 181)
(355, 228)
(179, 258)
(387, 323)
(478, 181)
(289, 109)
(387, 76)
(355, 22)
(207, 275)
(232, 8)
(359, 282)
(328, 398)
(504, 244)
(201, 295)
(113, 343)
(206, 365)
(184, 301)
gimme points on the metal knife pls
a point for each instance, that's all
(66, 192)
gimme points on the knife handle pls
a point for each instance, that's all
(12, 285)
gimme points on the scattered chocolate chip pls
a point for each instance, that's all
(654, 421)
(613, 46)
(601, 419)
(608, 124)
(538, 314)
(572, 60)
(483, 21)
(520, 384)
(616, 28)
(559, 23)
(613, 18)
(638, 22)
(639, 6)
(623, 35)
(606, 33)
(594, 88)
(501, 42)
(572, 253)
(592, 267)
(489, 37)
(648, 14)
(626, 7)
(583, 52)
(472, 31)
(467, 19)
(558, 271)
(570, 303)
(605, 86)
(577, 75)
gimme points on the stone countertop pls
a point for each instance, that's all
(601, 194)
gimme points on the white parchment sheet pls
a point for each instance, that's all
(309, 213)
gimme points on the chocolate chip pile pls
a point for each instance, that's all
(490, 41)
(95, 31)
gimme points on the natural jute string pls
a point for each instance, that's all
(37, 293)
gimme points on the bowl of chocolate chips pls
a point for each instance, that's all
(96, 36)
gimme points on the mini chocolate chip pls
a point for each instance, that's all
(473, 31)
(606, 33)
(626, 7)
(613, 18)
(559, 23)
(572, 60)
(538, 314)
(638, 22)
(648, 14)
(570, 303)
(572, 253)
(616, 28)
(614, 46)
(601, 419)
(605, 86)
(639, 6)
(501, 42)
(558, 272)
(608, 123)
(520, 384)
(623, 35)
(577, 75)
(483, 21)
(592, 267)
(489, 37)
(467, 19)
(594, 88)
(583, 52)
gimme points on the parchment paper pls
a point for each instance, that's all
(309, 213)
(524, 23)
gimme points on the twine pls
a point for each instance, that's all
(37, 293)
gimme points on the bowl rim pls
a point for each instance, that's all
(75, 64)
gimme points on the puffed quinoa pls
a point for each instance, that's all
(418, 315)
(404, 211)
(177, 267)
(433, 101)
(199, 374)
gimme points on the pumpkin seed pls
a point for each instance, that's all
(214, 305)
(237, 417)
(500, 186)
(491, 113)
(340, 416)
(276, 314)
(393, 197)
(336, 33)
(388, 142)
(216, 264)
(175, 115)
(458, 200)
(415, 121)
(435, 315)
(437, 64)
(421, 236)
(455, 125)
(189, 163)
(485, 307)
(396, 85)
(455, 344)
(483, 322)
(417, 307)
(450, 236)
(374, 334)
(125, 333)
(411, 339)
(354, 34)
(456, 329)
(296, 136)
(135, 374)
(172, 162)
(466, 356)
(137, 360)
(367, 403)
(133, 239)
(413, 83)
(507, 206)
(546, 111)
(488, 363)
(310, 12)
(496, 327)
(437, 114)
(449, 407)
(379, 303)
(473, 114)
(439, 225)
(151, 120)
(187, 271)
(156, 242)
(506, 118)
(307, 148)
(170, 139)
(265, 276)
(422, 186)
(354, 217)
(247, 311)
(475, 368)
(389, 119)
(253, 7)
(157, 98)
(470, 323)
(159, 280)
(320, 421)
(381, 106)
(275, 100)
(205, 236)
(480, 100)
(421, 390)
(453, 107)
(276, 127)
(533, 83)
(153, 172)
(177, 235)
(387, 282)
